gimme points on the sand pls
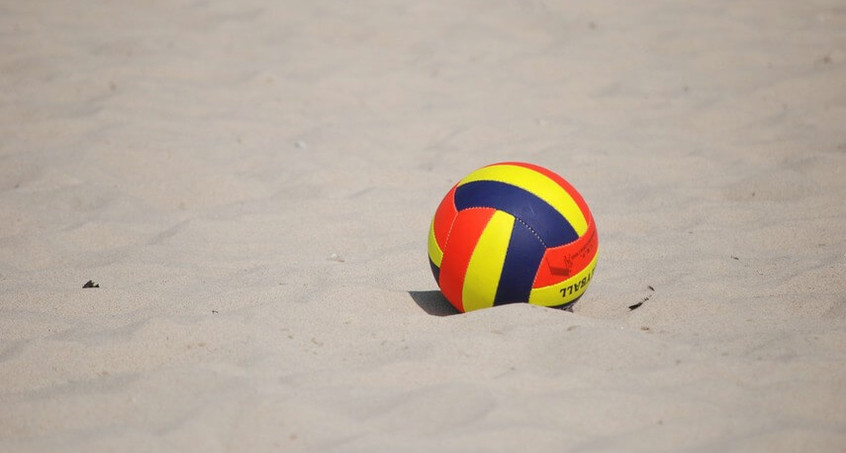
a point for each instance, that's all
(251, 183)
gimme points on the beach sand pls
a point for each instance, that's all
(251, 184)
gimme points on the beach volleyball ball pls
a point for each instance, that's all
(512, 232)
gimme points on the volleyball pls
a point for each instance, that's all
(512, 232)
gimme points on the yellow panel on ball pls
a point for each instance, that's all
(537, 184)
(566, 291)
(482, 276)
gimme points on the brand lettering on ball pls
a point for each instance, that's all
(578, 286)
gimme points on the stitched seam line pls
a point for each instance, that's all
(515, 218)
(532, 230)
(452, 224)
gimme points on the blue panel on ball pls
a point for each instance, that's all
(543, 219)
(436, 271)
(524, 255)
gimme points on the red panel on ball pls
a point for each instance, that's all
(444, 217)
(464, 235)
(561, 263)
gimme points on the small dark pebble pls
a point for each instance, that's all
(90, 284)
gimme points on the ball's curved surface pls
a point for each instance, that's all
(512, 232)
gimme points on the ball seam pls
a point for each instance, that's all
(452, 224)
(532, 230)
